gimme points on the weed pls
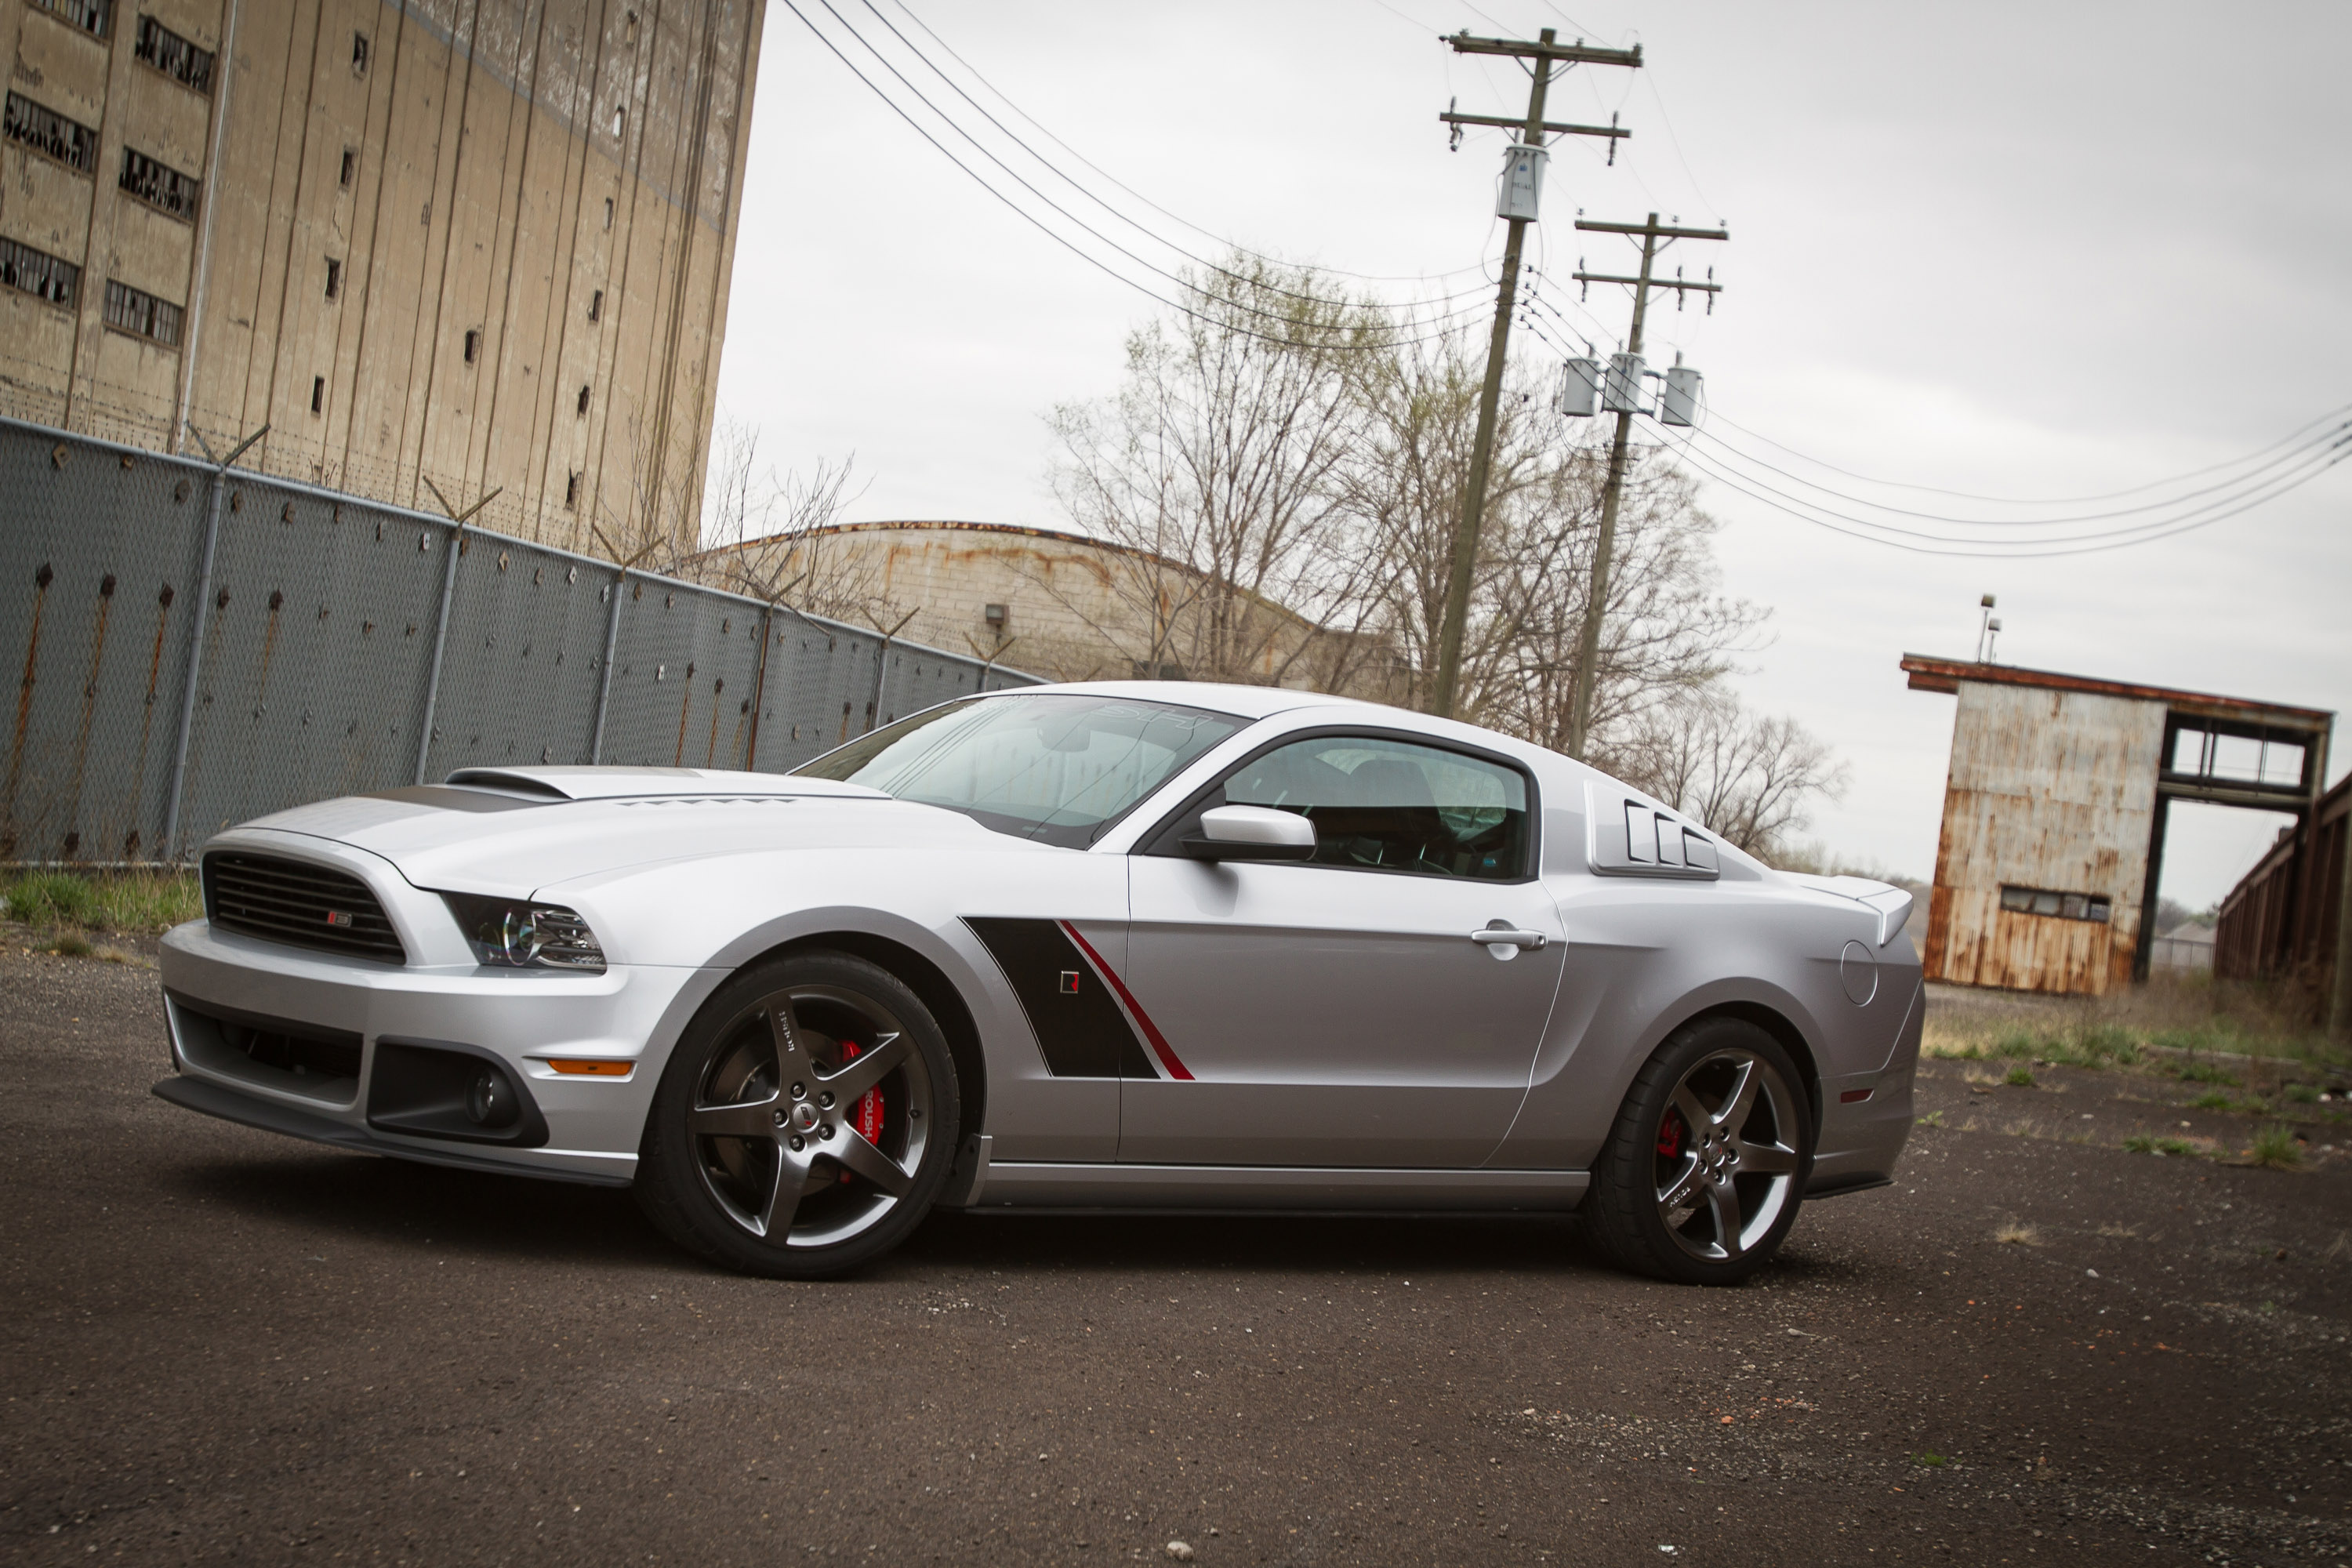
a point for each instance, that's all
(1982, 1080)
(1929, 1461)
(2341, 1247)
(2149, 1143)
(2256, 1104)
(2012, 1232)
(2302, 1094)
(52, 897)
(2204, 1072)
(2019, 1077)
(70, 945)
(2213, 1099)
(1933, 1119)
(112, 900)
(2123, 1232)
(2276, 1147)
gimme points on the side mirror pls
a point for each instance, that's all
(1252, 833)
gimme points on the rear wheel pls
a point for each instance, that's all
(1704, 1170)
(805, 1122)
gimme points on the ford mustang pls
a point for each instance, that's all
(1155, 946)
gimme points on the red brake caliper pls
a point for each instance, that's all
(1670, 1134)
(869, 1119)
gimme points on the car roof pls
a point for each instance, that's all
(1241, 701)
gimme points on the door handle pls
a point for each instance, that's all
(1499, 934)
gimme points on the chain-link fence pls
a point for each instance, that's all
(200, 646)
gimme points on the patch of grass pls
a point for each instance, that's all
(106, 901)
(2123, 1232)
(2019, 1077)
(71, 944)
(2204, 1072)
(52, 899)
(2149, 1143)
(2302, 1094)
(1929, 1461)
(2212, 1099)
(2012, 1233)
(2276, 1148)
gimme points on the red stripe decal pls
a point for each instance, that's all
(1160, 1047)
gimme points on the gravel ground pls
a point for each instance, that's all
(221, 1345)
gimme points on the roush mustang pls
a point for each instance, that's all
(1152, 946)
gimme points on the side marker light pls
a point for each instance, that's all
(577, 1068)
(1855, 1095)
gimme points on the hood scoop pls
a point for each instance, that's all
(560, 784)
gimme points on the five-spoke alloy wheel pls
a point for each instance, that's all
(1706, 1164)
(805, 1122)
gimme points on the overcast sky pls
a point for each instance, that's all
(2008, 249)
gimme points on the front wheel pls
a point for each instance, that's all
(1702, 1174)
(805, 1123)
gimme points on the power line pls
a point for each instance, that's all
(1073, 247)
(2336, 432)
(1922, 543)
(1015, 175)
(2023, 501)
(1044, 130)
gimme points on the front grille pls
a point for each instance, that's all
(297, 902)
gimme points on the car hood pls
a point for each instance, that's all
(515, 832)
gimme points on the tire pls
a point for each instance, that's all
(1706, 1164)
(803, 1150)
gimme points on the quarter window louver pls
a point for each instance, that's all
(296, 902)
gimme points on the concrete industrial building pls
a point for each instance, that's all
(483, 245)
(2055, 808)
(1057, 604)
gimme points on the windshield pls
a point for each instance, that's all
(1054, 767)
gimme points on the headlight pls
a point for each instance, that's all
(509, 933)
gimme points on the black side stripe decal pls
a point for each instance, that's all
(1077, 1022)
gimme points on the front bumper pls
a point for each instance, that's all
(630, 1013)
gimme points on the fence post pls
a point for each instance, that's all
(882, 671)
(604, 675)
(441, 622)
(171, 846)
(759, 685)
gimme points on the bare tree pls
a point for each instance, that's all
(1747, 777)
(1211, 472)
(770, 535)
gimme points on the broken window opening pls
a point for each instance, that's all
(49, 133)
(89, 15)
(139, 314)
(318, 394)
(160, 185)
(37, 273)
(172, 55)
(473, 345)
(335, 279)
(2019, 901)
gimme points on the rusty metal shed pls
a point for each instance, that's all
(2055, 808)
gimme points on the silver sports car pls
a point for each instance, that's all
(1152, 946)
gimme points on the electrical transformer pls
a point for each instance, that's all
(1521, 187)
(1622, 394)
(1678, 404)
(1580, 388)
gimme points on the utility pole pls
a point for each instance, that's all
(1625, 390)
(1544, 53)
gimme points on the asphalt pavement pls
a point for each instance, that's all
(223, 1346)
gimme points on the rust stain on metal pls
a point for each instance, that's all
(268, 653)
(89, 711)
(147, 712)
(711, 754)
(1945, 675)
(684, 706)
(41, 581)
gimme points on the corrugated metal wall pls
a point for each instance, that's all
(2282, 918)
(316, 670)
(2051, 790)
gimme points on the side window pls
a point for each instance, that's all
(1391, 805)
